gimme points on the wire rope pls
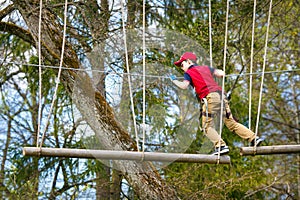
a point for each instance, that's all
(139, 75)
(129, 75)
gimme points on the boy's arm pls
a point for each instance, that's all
(219, 73)
(181, 84)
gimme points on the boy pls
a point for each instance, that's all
(210, 93)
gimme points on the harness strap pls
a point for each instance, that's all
(227, 114)
(207, 114)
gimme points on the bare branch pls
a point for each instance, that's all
(4, 12)
(281, 123)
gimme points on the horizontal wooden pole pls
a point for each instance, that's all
(125, 155)
(265, 150)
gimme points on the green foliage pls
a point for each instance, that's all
(247, 177)
(256, 177)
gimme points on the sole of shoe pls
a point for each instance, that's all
(223, 152)
(259, 141)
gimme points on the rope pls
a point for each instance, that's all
(262, 77)
(211, 62)
(129, 76)
(40, 76)
(223, 78)
(144, 77)
(210, 35)
(251, 63)
(59, 72)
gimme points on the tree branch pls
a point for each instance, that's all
(282, 123)
(6, 11)
(16, 30)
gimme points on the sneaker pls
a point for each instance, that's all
(256, 140)
(223, 150)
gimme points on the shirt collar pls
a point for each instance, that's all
(193, 65)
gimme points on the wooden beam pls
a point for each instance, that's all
(265, 150)
(125, 155)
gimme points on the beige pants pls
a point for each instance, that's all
(208, 122)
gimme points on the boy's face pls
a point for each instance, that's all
(185, 65)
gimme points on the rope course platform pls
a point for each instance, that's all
(125, 155)
(266, 150)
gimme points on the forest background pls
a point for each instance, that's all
(91, 74)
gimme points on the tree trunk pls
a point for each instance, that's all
(4, 158)
(142, 176)
(115, 189)
(99, 30)
(103, 182)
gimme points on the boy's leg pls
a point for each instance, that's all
(213, 109)
(236, 127)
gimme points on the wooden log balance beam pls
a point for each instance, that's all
(125, 155)
(266, 150)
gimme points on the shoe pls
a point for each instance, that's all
(256, 140)
(222, 151)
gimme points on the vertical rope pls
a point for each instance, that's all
(263, 71)
(210, 34)
(40, 76)
(223, 78)
(251, 64)
(129, 75)
(59, 72)
(144, 75)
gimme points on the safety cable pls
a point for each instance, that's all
(139, 75)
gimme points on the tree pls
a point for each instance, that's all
(146, 185)
(90, 24)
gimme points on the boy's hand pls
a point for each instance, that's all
(173, 77)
